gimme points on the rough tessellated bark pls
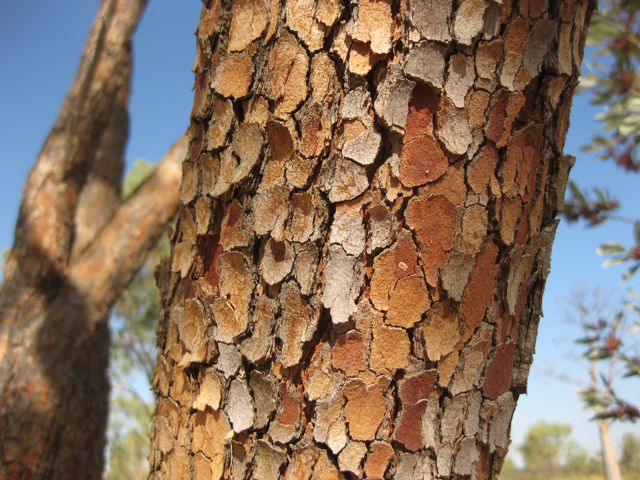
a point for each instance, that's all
(76, 247)
(368, 207)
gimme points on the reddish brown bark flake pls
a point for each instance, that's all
(422, 161)
(533, 8)
(481, 172)
(479, 292)
(498, 377)
(422, 158)
(349, 354)
(280, 141)
(434, 221)
(414, 392)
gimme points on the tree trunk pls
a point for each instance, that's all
(368, 207)
(608, 453)
(609, 460)
(76, 247)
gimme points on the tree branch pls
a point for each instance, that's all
(101, 193)
(107, 265)
(52, 190)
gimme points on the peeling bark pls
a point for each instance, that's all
(392, 324)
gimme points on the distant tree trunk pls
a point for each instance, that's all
(76, 247)
(609, 460)
(368, 207)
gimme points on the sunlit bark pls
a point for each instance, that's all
(368, 207)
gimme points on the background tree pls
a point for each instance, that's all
(611, 344)
(368, 205)
(548, 452)
(630, 458)
(614, 85)
(544, 447)
(76, 246)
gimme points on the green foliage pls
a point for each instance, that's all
(509, 469)
(129, 437)
(579, 463)
(544, 447)
(549, 454)
(137, 173)
(5, 258)
(630, 457)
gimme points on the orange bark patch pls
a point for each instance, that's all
(209, 18)
(511, 212)
(441, 331)
(285, 80)
(504, 111)
(233, 76)
(390, 348)
(399, 261)
(519, 172)
(477, 108)
(409, 300)
(248, 21)
(446, 368)
(451, 185)
(365, 409)
(297, 319)
(479, 292)
(498, 378)
(374, 25)
(434, 221)
(414, 391)
(348, 354)
(231, 311)
(210, 430)
(422, 161)
(422, 158)
(480, 174)
(378, 460)
(361, 58)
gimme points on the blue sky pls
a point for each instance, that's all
(40, 45)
